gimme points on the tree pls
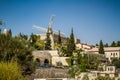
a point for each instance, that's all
(101, 47)
(113, 44)
(1, 22)
(39, 45)
(93, 60)
(48, 42)
(10, 71)
(78, 56)
(71, 44)
(16, 49)
(116, 62)
(23, 36)
(118, 43)
(83, 65)
(97, 45)
(59, 38)
(106, 45)
(33, 39)
(0, 31)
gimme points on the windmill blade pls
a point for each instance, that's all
(61, 33)
(40, 28)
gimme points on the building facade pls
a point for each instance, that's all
(110, 52)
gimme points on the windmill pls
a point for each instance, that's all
(50, 30)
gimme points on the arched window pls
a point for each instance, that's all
(46, 62)
(38, 62)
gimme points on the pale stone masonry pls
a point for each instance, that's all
(51, 55)
(83, 46)
(110, 52)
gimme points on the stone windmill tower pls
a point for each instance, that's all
(50, 31)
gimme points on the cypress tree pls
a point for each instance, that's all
(10, 33)
(71, 44)
(59, 38)
(0, 31)
(101, 47)
(106, 45)
(48, 42)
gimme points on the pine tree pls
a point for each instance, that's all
(118, 43)
(106, 45)
(113, 44)
(96, 45)
(14, 49)
(59, 38)
(0, 31)
(48, 42)
(10, 33)
(101, 47)
(71, 44)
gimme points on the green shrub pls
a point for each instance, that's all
(59, 63)
(10, 71)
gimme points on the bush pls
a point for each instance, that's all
(10, 71)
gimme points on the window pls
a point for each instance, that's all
(114, 54)
(111, 54)
(111, 69)
(107, 75)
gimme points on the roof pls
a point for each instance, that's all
(105, 49)
(84, 44)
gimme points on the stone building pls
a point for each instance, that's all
(51, 56)
(110, 52)
(83, 46)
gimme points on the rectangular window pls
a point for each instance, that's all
(111, 54)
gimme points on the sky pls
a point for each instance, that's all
(91, 20)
